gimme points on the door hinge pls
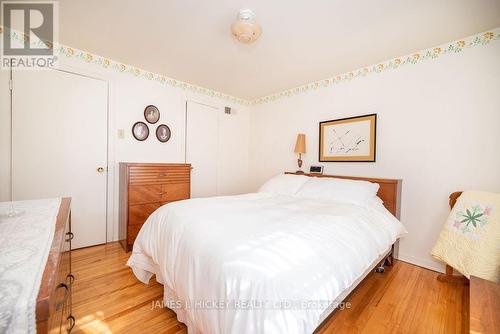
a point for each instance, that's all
(11, 84)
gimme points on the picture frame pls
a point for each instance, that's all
(151, 114)
(351, 139)
(140, 131)
(163, 133)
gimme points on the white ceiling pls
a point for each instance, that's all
(302, 41)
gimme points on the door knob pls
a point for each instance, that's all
(100, 169)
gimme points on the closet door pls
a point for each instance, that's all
(60, 145)
(202, 132)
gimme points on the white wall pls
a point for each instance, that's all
(128, 97)
(438, 130)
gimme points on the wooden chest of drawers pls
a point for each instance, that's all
(144, 187)
(54, 301)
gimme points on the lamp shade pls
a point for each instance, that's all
(300, 145)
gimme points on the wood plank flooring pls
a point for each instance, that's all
(107, 298)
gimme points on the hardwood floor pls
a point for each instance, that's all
(405, 299)
(107, 298)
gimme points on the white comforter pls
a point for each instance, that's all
(259, 263)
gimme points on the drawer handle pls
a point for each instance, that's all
(70, 236)
(70, 278)
(72, 321)
(163, 175)
(66, 292)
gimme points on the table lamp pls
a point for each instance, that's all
(300, 148)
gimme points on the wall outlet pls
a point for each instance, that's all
(121, 133)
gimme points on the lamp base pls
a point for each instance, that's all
(11, 213)
(299, 163)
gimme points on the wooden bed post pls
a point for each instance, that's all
(449, 277)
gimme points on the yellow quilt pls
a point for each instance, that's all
(470, 238)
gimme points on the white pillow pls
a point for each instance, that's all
(339, 190)
(377, 205)
(284, 184)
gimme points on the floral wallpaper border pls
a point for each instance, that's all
(147, 75)
(411, 59)
(109, 64)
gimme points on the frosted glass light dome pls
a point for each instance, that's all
(245, 29)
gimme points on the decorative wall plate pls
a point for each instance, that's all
(163, 133)
(151, 114)
(140, 131)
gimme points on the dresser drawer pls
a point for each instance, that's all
(175, 192)
(159, 174)
(143, 194)
(137, 214)
(55, 322)
(61, 296)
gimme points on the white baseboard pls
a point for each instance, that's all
(426, 263)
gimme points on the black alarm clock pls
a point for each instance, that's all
(316, 169)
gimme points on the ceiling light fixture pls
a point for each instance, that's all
(245, 29)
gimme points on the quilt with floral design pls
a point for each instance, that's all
(470, 238)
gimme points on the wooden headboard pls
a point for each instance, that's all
(389, 191)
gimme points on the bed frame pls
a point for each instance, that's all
(390, 193)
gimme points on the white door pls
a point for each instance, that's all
(201, 148)
(59, 142)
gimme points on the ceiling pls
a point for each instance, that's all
(302, 41)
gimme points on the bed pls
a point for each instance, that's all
(277, 261)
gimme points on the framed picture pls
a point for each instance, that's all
(151, 114)
(348, 139)
(140, 131)
(163, 133)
